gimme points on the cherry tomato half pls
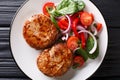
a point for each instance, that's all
(72, 42)
(79, 60)
(86, 18)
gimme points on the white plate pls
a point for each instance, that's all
(25, 56)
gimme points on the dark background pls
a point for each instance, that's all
(109, 69)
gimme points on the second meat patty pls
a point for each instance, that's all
(55, 61)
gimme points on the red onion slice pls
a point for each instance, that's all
(95, 41)
(79, 27)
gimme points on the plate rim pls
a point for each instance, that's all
(13, 19)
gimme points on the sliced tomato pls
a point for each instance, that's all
(78, 60)
(86, 18)
(99, 26)
(48, 5)
(63, 23)
(72, 42)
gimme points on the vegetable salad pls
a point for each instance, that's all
(78, 28)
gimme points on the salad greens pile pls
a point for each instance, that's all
(67, 7)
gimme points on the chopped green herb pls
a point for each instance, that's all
(67, 7)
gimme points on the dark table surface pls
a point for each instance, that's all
(109, 69)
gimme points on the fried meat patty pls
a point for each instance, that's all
(55, 61)
(39, 32)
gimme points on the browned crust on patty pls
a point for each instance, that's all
(40, 32)
(55, 61)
